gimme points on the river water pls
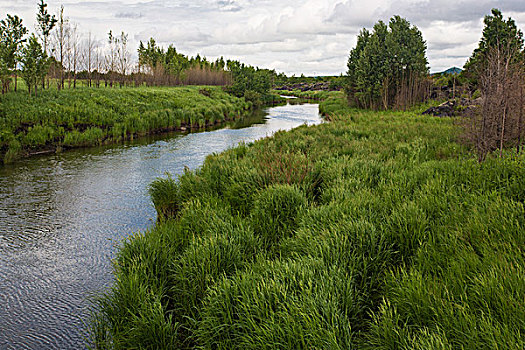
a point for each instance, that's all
(62, 215)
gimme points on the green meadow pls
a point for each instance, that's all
(376, 230)
(84, 116)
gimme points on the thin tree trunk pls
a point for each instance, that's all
(503, 119)
(520, 121)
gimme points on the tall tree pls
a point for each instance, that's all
(497, 68)
(12, 36)
(111, 57)
(498, 35)
(34, 63)
(46, 23)
(61, 35)
(387, 66)
(5, 77)
(89, 52)
(123, 56)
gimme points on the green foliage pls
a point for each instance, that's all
(46, 22)
(373, 231)
(165, 198)
(498, 34)
(384, 61)
(250, 82)
(34, 63)
(92, 116)
(278, 305)
(154, 57)
(12, 33)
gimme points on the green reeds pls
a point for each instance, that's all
(91, 116)
(373, 231)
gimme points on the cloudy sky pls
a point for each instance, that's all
(292, 36)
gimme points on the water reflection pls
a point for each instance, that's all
(61, 216)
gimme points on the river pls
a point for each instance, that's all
(62, 215)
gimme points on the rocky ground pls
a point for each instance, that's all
(322, 86)
(453, 107)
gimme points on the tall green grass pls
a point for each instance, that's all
(374, 231)
(92, 116)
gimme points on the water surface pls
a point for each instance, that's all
(62, 215)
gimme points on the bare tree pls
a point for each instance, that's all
(111, 57)
(123, 56)
(73, 39)
(60, 41)
(89, 51)
(98, 65)
(498, 122)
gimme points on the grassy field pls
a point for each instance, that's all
(91, 116)
(374, 231)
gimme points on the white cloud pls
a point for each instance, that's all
(310, 36)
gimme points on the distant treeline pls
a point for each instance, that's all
(58, 56)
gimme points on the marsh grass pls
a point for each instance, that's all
(91, 116)
(385, 234)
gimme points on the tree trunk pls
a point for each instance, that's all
(520, 121)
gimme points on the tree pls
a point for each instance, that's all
(123, 56)
(73, 54)
(88, 56)
(5, 78)
(498, 35)
(61, 36)
(497, 67)
(251, 82)
(388, 66)
(46, 23)
(34, 63)
(12, 36)
(111, 58)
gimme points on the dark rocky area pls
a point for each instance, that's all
(322, 86)
(453, 107)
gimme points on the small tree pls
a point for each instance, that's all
(123, 57)
(46, 23)
(34, 63)
(12, 36)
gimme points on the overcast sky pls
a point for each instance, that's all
(311, 37)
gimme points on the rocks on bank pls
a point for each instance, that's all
(454, 107)
(321, 86)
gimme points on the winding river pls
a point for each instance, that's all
(62, 215)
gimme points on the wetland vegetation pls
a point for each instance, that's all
(91, 116)
(376, 230)
(379, 229)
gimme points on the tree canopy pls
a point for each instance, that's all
(498, 34)
(384, 63)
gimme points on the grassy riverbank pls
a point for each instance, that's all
(91, 116)
(374, 231)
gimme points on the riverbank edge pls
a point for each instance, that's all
(232, 243)
(182, 126)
